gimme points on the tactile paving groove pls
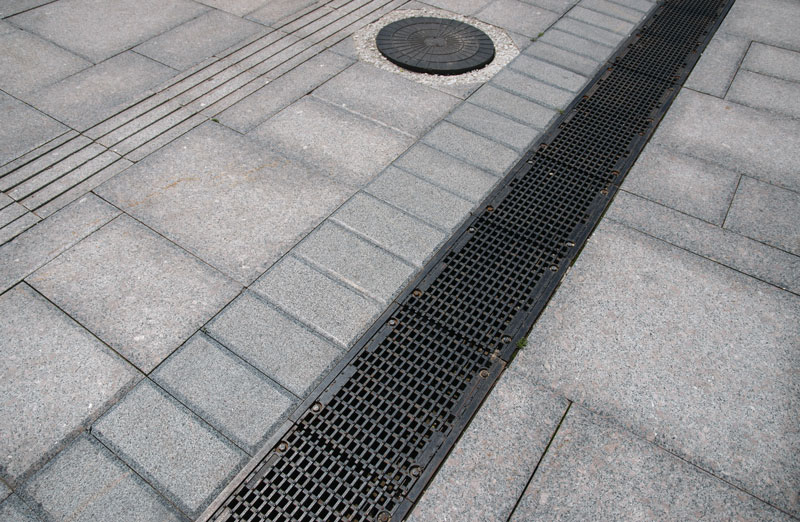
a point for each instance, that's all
(368, 440)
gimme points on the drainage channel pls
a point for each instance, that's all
(365, 444)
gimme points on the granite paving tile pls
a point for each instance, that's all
(558, 6)
(516, 16)
(766, 21)
(236, 7)
(57, 378)
(766, 92)
(135, 290)
(23, 128)
(470, 147)
(13, 509)
(590, 32)
(610, 23)
(773, 61)
(548, 73)
(717, 66)
(5, 491)
(277, 10)
(614, 9)
(640, 5)
(463, 7)
(12, 7)
(577, 45)
(346, 48)
(279, 346)
(19, 225)
(513, 106)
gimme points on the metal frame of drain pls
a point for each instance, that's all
(367, 441)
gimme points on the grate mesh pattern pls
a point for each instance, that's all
(381, 426)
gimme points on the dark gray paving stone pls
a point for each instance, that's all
(594, 469)
(548, 73)
(98, 92)
(717, 66)
(237, 7)
(226, 199)
(723, 246)
(99, 31)
(614, 9)
(577, 45)
(135, 290)
(693, 186)
(517, 17)
(766, 213)
(447, 172)
(396, 231)
(317, 300)
(28, 63)
(766, 21)
(513, 106)
(350, 148)
(15, 510)
(590, 32)
(773, 61)
(173, 449)
(688, 354)
(57, 378)
(497, 453)
(739, 138)
(235, 398)
(474, 149)
(12, 7)
(463, 7)
(277, 10)
(384, 96)
(766, 92)
(23, 128)
(279, 346)
(87, 482)
(197, 39)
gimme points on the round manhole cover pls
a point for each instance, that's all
(435, 45)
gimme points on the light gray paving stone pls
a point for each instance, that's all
(279, 346)
(688, 354)
(470, 147)
(739, 138)
(384, 96)
(420, 198)
(463, 7)
(558, 6)
(226, 199)
(181, 456)
(12, 7)
(766, 92)
(63, 164)
(197, 39)
(517, 17)
(28, 63)
(445, 171)
(18, 226)
(548, 73)
(723, 246)
(23, 128)
(513, 106)
(350, 148)
(355, 261)
(766, 213)
(563, 59)
(236, 7)
(766, 21)
(51, 237)
(717, 66)
(277, 10)
(135, 290)
(5, 491)
(226, 392)
(346, 48)
(57, 378)
(13, 509)
(693, 186)
(594, 469)
(614, 9)
(640, 5)
(577, 45)
(11, 212)
(590, 32)
(604, 21)
(773, 61)
(317, 300)
(397, 232)
(494, 126)
(92, 95)
(87, 482)
(99, 31)
(497, 453)
(5, 27)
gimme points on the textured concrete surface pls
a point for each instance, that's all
(717, 66)
(25, 128)
(468, 146)
(773, 61)
(13, 509)
(765, 92)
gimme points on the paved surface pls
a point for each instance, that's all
(204, 204)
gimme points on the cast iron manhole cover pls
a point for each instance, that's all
(435, 45)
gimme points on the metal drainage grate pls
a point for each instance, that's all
(435, 45)
(369, 439)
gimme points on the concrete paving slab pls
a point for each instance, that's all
(19, 225)
(328, 306)
(496, 454)
(462, 7)
(736, 137)
(595, 469)
(717, 66)
(577, 45)
(356, 261)
(57, 378)
(232, 396)
(688, 354)
(766, 213)
(181, 456)
(15, 510)
(766, 92)
(470, 147)
(614, 9)
(50, 238)
(226, 199)
(589, 32)
(420, 198)
(350, 148)
(23, 128)
(87, 482)
(773, 61)
(9, 213)
(558, 6)
(346, 48)
(548, 73)
(640, 5)
(272, 12)
(135, 290)
(99, 31)
(766, 21)
(513, 106)
(197, 39)
(693, 186)
(398, 232)
(98, 92)
(518, 17)
(12, 7)
(279, 346)
(237, 7)
(381, 95)
(28, 63)
(723, 246)
(5, 491)
(604, 21)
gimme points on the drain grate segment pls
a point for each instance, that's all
(368, 440)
